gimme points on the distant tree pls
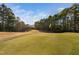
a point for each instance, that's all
(7, 18)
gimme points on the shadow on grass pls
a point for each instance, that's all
(57, 31)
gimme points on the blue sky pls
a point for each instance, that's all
(32, 12)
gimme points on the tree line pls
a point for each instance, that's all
(65, 21)
(9, 22)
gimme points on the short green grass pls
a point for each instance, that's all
(39, 43)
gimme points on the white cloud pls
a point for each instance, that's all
(29, 16)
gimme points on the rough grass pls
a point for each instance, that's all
(39, 43)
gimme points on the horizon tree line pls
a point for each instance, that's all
(65, 21)
(9, 22)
